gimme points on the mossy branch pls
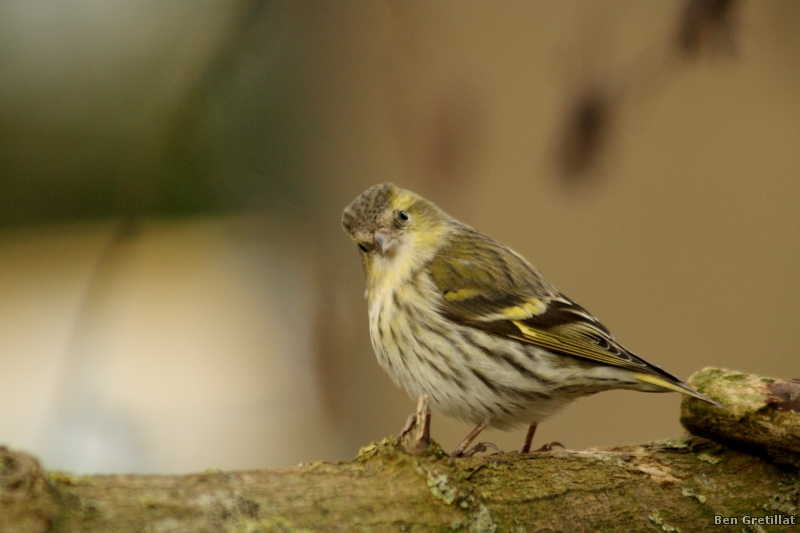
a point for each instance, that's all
(674, 485)
(763, 416)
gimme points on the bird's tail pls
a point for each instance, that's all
(677, 386)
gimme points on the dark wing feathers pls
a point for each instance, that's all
(487, 286)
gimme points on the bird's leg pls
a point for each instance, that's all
(526, 448)
(459, 451)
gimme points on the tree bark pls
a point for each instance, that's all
(674, 485)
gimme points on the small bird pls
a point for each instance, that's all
(466, 320)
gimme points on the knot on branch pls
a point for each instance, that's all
(25, 495)
(415, 436)
(20, 475)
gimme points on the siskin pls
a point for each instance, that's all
(466, 320)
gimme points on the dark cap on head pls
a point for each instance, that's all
(363, 213)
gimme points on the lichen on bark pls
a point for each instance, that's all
(763, 415)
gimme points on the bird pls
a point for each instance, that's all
(467, 321)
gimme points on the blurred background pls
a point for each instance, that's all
(176, 292)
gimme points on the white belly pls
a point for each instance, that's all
(450, 364)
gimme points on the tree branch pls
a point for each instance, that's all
(672, 485)
(764, 414)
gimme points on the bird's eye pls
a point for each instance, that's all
(401, 216)
(363, 247)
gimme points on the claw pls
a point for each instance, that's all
(549, 446)
(481, 447)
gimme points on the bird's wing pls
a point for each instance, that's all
(486, 286)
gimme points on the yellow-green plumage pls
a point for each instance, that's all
(464, 319)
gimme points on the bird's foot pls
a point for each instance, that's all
(546, 448)
(479, 448)
(459, 451)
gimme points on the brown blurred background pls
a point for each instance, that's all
(176, 291)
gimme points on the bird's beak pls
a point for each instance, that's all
(386, 243)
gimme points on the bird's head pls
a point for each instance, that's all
(393, 228)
